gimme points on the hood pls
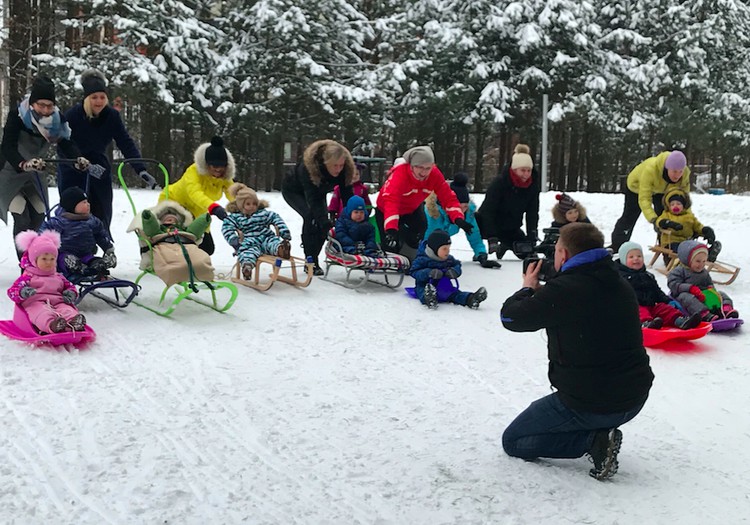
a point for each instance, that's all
(559, 217)
(313, 161)
(187, 217)
(676, 191)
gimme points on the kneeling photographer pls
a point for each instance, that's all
(597, 364)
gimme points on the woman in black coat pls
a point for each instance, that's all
(512, 194)
(325, 165)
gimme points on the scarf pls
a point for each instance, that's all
(52, 128)
(518, 182)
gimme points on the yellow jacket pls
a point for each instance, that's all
(647, 180)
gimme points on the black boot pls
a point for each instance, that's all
(604, 452)
(475, 298)
(686, 323)
(429, 299)
(656, 323)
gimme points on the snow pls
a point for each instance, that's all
(326, 406)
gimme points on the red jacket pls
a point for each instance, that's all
(402, 194)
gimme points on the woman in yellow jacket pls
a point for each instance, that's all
(646, 186)
(203, 183)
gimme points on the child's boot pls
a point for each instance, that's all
(77, 323)
(713, 251)
(429, 299)
(58, 324)
(708, 317)
(655, 324)
(688, 322)
(247, 271)
(729, 311)
(475, 298)
(285, 249)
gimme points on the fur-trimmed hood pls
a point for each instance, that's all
(199, 157)
(232, 207)
(187, 217)
(674, 192)
(312, 158)
(559, 217)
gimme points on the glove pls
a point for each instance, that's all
(436, 273)
(235, 244)
(655, 226)
(697, 293)
(709, 234)
(82, 164)
(465, 226)
(109, 258)
(484, 262)
(324, 224)
(69, 296)
(148, 179)
(450, 273)
(26, 292)
(33, 165)
(666, 224)
(218, 211)
(392, 242)
(360, 248)
(533, 236)
(332, 215)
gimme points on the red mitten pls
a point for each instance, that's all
(697, 293)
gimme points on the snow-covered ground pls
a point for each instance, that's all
(330, 406)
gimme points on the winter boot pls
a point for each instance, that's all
(429, 299)
(729, 311)
(285, 250)
(713, 251)
(77, 323)
(58, 324)
(501, 249)
(73, 264)
(604, 452)
(656, 323)
(708, 317)
(475, 298)
(688, 322)
(492, 245)
(247, 271)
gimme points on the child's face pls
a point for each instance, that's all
(46, 262)
(634, 259)
(676, 207)
(169, 219)
(249, 206)
(356, 177)
(358, 215)
(698, 262)
(571, 215)
(83, 207)
(443, 252)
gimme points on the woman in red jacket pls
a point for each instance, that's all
(400, 214)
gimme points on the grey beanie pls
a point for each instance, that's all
(625, 248)
(419, 156)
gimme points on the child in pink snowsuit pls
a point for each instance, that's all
(359, 188)
(45, 295)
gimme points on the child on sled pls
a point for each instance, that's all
(434, 264)
(678, 223)
(80, 234)
(689, 281)
(250, 217)
(354, 232)
(653, 304)
(46, 295)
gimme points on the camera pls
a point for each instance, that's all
(525, 249)
(546, 272)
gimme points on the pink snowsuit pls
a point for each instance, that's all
(47, 303)
(358, 188)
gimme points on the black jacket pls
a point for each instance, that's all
(315, 187)
(595, 346)
(505, 204)
(647, 290)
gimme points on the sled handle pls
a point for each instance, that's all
(142, 161)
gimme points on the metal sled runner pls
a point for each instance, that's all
(391, 268)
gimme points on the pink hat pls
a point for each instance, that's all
(676, 161)
(37, 244)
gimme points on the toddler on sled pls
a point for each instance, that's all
(354, 232)
(677, 223)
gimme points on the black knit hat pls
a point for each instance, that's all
(216, 155)
(437, 239)
(93, 81)
(71, 197)
(679, 198)
(459, 187)
(42, 89)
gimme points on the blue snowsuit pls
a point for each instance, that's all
(79, 236)
(350, 233)
(420, 270)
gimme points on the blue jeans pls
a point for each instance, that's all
(549, 429)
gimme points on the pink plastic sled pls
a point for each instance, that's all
(653, 337)
(21, 329)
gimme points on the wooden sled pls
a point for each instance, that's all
(721, 272)
(388, 271)
(300, 270)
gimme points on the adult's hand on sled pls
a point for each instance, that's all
(69, 296)
(26, 292)
(149, 180)
(33, 165)
(218, 211)
(392, 243)
(82, 164)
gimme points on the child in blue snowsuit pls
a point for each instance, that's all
(80, 233)
(434, 263)
(251, 216)
(437, 219)
(354, 232)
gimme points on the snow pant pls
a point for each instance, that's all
(99, 192)
(42, 313)
(314, 234)
(630, 213)
(251, 249)
(549, 429)
(29, 219)
(667, 312)
(207, 244)
(447, 292)
(411, 229)
(693, 305)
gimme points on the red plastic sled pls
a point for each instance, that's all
(653, 337)
(21, 329)
(724, 325)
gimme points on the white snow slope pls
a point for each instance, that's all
(330, 406)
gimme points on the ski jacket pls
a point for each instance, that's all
(255, 228)
(437, 219)
(422, 264)
(80, 233)
(681, 278)
(505, 205)
(402, 194)
(650, 178)
(594, 342)
(647, 290)
(349, 233)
